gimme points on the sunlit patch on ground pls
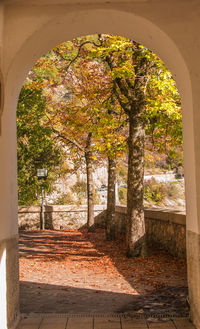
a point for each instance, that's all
(75, 272)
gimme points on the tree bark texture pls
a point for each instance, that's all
(134, 93)
(135, 235)
(90, 194)
(110, 217)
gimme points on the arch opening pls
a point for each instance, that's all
(54, 32)
(25, 239)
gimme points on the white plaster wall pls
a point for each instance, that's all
(8, 202)
(8, 169)
(3, 290)
(1, 24)
(30, 31)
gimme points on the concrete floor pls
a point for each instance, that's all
(102, 323)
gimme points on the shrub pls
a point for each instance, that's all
(122, 172)
(96, 197)
(154, 191)
(176, 190)
(122, 193)
(65, 199)
(80, 188)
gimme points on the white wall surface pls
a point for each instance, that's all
(168, 28)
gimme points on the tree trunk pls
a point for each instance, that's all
(135, 235)
(110, 217)
(90, 194)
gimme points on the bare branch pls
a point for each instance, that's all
(69, 140)
(78, 52)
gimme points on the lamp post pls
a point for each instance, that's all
(42, 175)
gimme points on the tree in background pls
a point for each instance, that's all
(110, 142)
(73, 121)
(36, 146)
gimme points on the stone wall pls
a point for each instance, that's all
(56, 217)
(165, 228)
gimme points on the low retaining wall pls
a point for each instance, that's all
(167, 229)
(56, 217)
(164, 228)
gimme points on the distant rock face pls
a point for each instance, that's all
(65, 191)
(64, 186)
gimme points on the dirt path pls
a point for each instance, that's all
(78, 272)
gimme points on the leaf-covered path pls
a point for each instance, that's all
(78, 272)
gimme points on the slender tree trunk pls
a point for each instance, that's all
(110, 217)
(90, 194)
(135, 235)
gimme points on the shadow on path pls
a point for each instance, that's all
(79, 272)
(48, 298)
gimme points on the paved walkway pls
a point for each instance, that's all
(66, 274)
(71, 272)
(102, 323)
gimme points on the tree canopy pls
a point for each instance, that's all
(100, 96)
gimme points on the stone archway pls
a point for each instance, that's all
(43, 32)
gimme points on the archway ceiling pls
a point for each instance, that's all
(74, 2)
(60, 2)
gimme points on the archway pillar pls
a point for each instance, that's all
(193, 265)
(9, 268)
(9, 283)
(192, 166)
